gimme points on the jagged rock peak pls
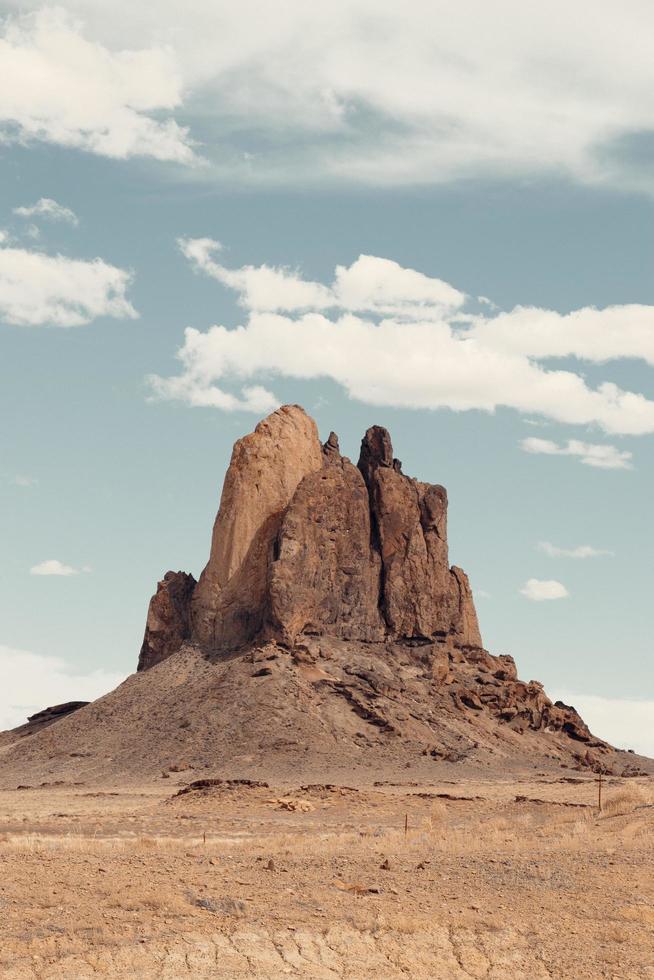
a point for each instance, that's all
(169, 621)
(307, 543)
(265, 470)
(331, 448)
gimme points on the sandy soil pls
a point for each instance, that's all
(256, 881)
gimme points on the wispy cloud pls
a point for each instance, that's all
(52, 566)
(581, 551)
(605, 457)
(370, 284)
(45, 207)
(540, 590)
(22, 480)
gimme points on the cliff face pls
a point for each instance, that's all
(231, 603)
(169, 619)
(307, 543)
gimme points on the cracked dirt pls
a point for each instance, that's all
(245, 880)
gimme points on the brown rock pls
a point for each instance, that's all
(168, 623)
(231, 601)
(464, 623)
(56, 711)
(326, 576)
(420, 595)
(306, 543)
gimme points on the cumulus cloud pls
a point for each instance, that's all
(581, 551)
(359, 90)
(588, 334)
(52, 566)
(540, 590)
(626, 723)
(603, 457)
(56, 86)
(38, 289)
(30, 682)
(390, 336)
(353, 89)
(45, 207)
(372, 284)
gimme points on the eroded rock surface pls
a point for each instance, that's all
(231, 601)
(325, 578)
(307, 543)
(420, 595)
(169, 619)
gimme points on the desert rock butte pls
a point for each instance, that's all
(328, 636)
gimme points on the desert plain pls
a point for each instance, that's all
(501, 877)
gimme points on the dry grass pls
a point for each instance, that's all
(626, 801)
(119, 871)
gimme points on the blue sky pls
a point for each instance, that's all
(435, 223)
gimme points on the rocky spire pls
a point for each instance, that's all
(169, 620)
(307, 543)
(230, 600)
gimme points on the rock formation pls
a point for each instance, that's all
(169, 622)
(307, 543)
(327, 636)
(330, 561)
(231, 601)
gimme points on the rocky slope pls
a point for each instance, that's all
(327, 634)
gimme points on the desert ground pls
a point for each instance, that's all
(488, 878)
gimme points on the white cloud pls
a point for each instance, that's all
(539, 590)
(581, 551)
(588, 334)
(59, 87)
(22, 480)
(354, 89)
(52, 566)
(389, 336)
(624, 722)
(30, 682)
(38, 289)
(45, 207)
(591, 454)
(372, 284)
